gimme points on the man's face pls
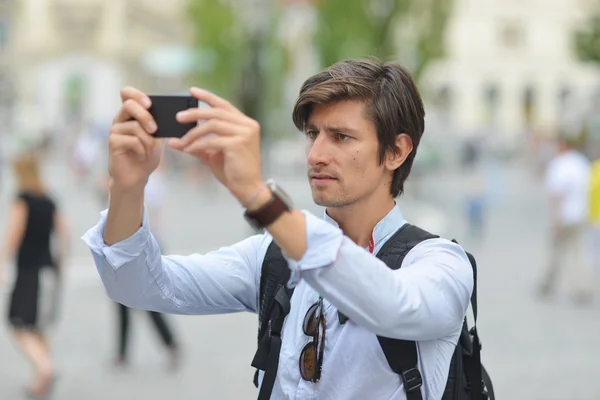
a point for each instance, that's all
(342, 153)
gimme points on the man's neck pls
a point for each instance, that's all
(358, 220)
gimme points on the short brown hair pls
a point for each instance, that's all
(389, 93)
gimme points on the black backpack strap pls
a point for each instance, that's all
(474, 294)
(488, 383)
(274, 273)
(401, 355)
(273, 338)
(473, 367)
(274, 306)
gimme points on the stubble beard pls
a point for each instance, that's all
(332, 201)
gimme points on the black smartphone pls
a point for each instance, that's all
(165, 108)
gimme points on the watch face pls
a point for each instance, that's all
(280, 203)
(279, 192)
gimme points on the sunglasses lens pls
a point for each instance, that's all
(310, 321)
(308, 362)
(311, 357)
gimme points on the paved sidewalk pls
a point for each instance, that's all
(534, 350)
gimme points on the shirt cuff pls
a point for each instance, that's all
(323, 241)
(121, 252)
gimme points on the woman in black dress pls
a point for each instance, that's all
(32, 221)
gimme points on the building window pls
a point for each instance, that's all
(564, 97)
(3, 33)
(491, 101)
(528, 105)
(595, 99)
(6, 91)
(443, 101)
(511, 35)
(563, 102)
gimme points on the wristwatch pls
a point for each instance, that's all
(279, 203)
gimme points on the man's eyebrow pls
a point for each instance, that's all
(341, 129)
(333, 129)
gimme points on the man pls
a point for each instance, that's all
(363, 121)
(567, 182)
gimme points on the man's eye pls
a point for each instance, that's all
(312, 134)
(342, 137)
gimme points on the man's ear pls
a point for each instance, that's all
(402, 149)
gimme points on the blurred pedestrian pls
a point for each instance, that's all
(567, 182)
(154, 199)
(475, 198)
(33, 219)
(85, 153)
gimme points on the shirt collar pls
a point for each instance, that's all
(384, 228)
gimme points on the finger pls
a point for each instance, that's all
(119, 144)
(134, 110)
(213, 100)
(205, 114)
(129, 92)
(214, 126)
(133, 128)
(209, 145)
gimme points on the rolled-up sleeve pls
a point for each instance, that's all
(123, 252)
(135, 273)
(324, 242)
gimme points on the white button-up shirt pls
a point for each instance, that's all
(424, 301)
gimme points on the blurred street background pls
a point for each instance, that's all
(501, 81)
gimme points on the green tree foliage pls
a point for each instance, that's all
(411, 31)
(238, 63)
(219, 39)
(248, 66)
(587, 39)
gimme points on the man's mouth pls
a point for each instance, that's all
(322, 178)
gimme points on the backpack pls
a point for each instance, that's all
(274, 305)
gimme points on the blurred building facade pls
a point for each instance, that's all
(68, 59)
(6, 81)
(511, 68)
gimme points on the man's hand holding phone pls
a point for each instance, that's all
(133, 152)
(226, 140)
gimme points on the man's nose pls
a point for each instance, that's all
(318, 152)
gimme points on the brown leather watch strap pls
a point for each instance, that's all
(267, 214)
